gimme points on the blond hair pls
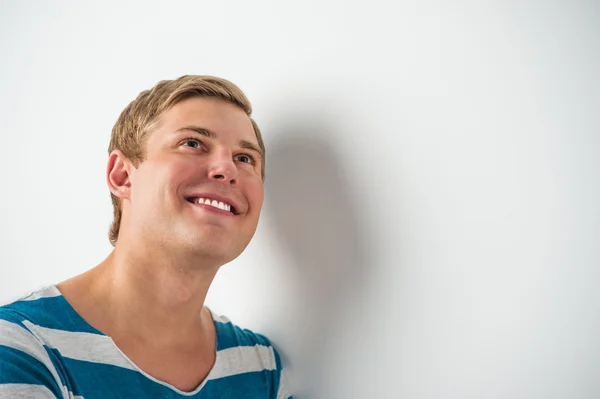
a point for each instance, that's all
(140, 117)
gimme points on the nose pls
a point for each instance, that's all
(222, 167)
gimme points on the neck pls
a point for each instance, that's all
(157, 297)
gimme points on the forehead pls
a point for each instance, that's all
(227, 120)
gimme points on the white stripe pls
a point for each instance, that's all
(29, 391)
(46, 292)
(82, 346)
(283, 390)
(16, 337)
(25, 391)
(242, 359)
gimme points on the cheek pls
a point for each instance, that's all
(160, 180)
(256, 193)
(176, 174)
(175, 170)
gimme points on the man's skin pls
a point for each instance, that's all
(148, 294)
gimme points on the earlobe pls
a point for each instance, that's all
(118, 174)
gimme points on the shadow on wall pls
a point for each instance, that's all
(318, 224)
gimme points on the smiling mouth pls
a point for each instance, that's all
(214, 203)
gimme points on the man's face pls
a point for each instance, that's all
(202, 157)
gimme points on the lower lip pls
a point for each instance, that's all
(212, 209)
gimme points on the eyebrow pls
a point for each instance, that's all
(212, 135)
(253, 147)
(200, 130)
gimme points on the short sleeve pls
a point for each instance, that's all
(283, 391)
(283, 387)
(26, 370)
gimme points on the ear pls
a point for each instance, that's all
(118, 174)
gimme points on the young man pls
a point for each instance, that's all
(185, 171)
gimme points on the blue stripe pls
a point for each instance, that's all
(17, 367)
(246, 385)
(229, 336)
(56, 359)
(6, 314)
(101, 381)
(54, 312)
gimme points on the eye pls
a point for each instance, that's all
(192, 142)
(245, 158)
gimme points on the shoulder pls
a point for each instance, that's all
(26, 364)
(39, 307)
(231, 335)
(254, 350)
(20, 318)
(29, 310)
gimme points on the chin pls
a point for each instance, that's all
(215, 251)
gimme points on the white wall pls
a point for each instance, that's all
(431, 227)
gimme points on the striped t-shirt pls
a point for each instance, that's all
(47, 350)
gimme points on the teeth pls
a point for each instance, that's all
(216, 204)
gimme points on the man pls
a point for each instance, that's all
(185, 170)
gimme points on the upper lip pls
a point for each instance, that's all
(218, 198)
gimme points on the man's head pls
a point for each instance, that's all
(183, 140)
